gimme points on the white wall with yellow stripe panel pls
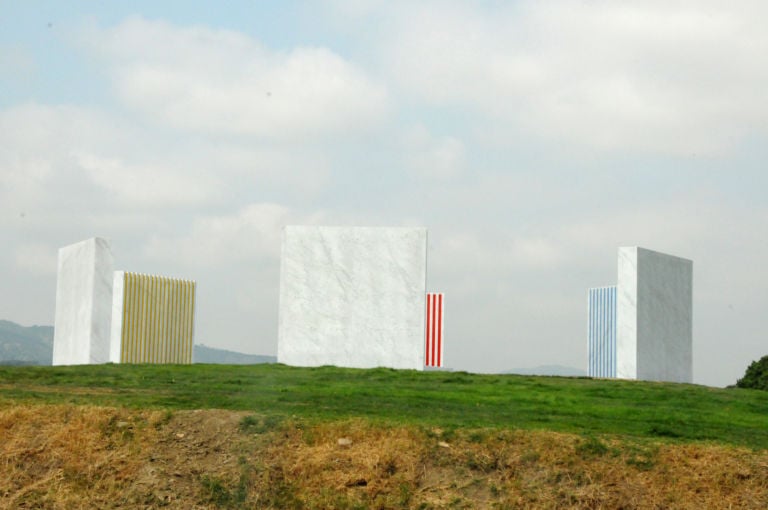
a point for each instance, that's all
(153, 319)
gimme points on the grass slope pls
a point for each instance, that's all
(674, 412)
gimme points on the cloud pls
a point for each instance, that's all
(433, 157)
(147, 184)
(65, 158)
(223, 82)
(36, 168)
(662, 77)
(253, 233)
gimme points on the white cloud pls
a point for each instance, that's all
(253, 233)
(36, 169)
(147, 184)
(55, 156)
(223, 82)
(433, 157)
(659, 76)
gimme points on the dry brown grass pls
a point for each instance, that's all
(517, 469)
(90, 457)
(64, 457)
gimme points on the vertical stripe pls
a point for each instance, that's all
(193, 286)
(130, 336)
(155, 320)
(190, 322)
(164, 329)
(184, 321)
(440, 330)
(601, 332)
(126, 319)
(434, 336)
(153, 315)
(158, 319)
(172, 345)
(427, 360)
(590, 349)
(146, 325)
(177, 322)
(139, 317)
(173, 322)
(141, 338)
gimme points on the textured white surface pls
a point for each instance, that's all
(353, 297)
(626, 314)
(654, 316)
(83, 303)
(116, 336)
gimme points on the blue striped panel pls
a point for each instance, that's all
(601, 332)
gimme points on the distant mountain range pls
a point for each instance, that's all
(33, 345)
(205, 354)
(20, 345)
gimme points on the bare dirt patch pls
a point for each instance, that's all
(95, 457)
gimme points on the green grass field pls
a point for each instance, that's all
(673, 412)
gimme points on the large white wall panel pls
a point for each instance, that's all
(654, 316)
(353, 297)
(83, 303)
(626, 314)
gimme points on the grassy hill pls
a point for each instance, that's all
(271, 436)
(676, 412)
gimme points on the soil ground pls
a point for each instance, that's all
(71, 457)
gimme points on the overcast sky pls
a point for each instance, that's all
(531, 138)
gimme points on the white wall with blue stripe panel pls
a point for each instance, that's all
(602, 331)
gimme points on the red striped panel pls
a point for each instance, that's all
(433, 355)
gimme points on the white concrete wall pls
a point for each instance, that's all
(626, 314)
(654, 316)
(352, 297)
(83, 303)
(118, 297)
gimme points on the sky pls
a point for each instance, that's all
(531, 138)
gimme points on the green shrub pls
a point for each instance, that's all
(756, 376)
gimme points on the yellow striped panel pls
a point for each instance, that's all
(158, 319)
